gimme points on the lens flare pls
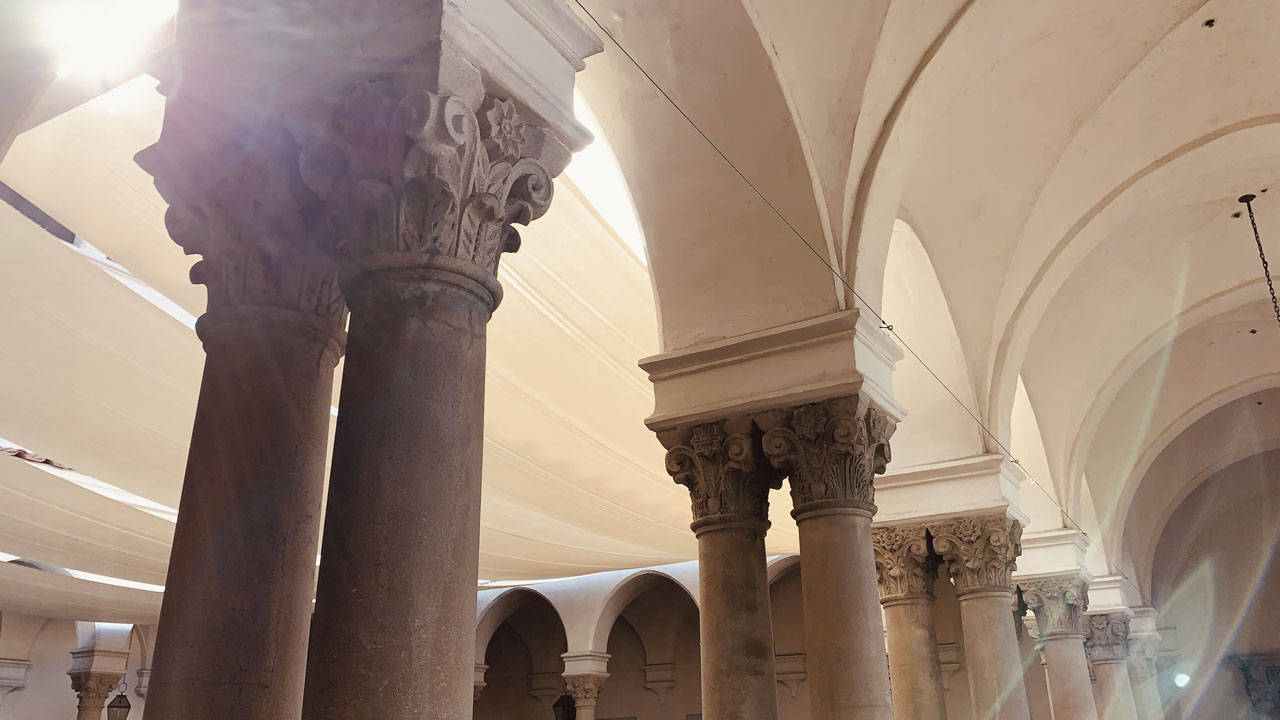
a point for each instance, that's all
(98, 39)
(1181, 679)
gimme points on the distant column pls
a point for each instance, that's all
(906, 571)
(1107, 643)
(1059, 602)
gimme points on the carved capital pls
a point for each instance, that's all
(411, 178)
(92, 688)
(585, 689)
(1107, 637)
(1261, 675)
(830, 450)
(978, 553)
(1144, 654)
(728, 477)
(240, 203)
(1058, 602)
(904, 567)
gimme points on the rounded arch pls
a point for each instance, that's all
(778, 567)
(496, 608)
(621, 595)
(700, 220)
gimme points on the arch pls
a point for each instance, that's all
(780, 566)
(621, 596)
(495, 609)
(699, 218)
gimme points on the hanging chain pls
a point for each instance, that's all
(1248, 203)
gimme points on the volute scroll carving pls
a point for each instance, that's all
(1058, 602)
(584, 689)
(725, 471)
(978, 553)
(244, 208)
(904, 566)
(831, 451)
(1107, 637)
(426, 174)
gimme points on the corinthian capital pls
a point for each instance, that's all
(236, 198)
(1144, 653)
(584, 689)
(978, 553)
(1058, 602)
(728, 477)
(1107, 637)
(414, 177)
(831, 451)
(904, 567)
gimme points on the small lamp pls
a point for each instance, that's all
(119, 707)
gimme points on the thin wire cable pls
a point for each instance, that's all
(822, 259)
(1266, 271)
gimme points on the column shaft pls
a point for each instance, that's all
(395, 606)
(1070, 690)
(915, 674)
(738, 680)
(1146, 695)
(232, 639)
(991, 656)
(1115, 695)
(845, 656)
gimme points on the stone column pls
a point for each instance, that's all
(831, 451)
(729, 481)
(585, 691)
(1144, 652)
(1107, 643)
(978, 554)
(420, 191)
(1059, 603)
(92, 690)
(906, 572)
(232, 638)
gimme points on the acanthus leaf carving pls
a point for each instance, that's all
(1107, 637)
(724, 469)
(1059, 603)
(584, 689)
(252, 220)
(830, 451)
(424, 173)
(978, 553)
(904, 566)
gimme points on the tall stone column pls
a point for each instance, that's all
(420, 193)
(831, 451)
(1107, 643)
(906, 571)
(585, 691)
(1059, 603)
(978, 554)
(232, 638)
(92, 690)
(1144, 651)
(729, 481)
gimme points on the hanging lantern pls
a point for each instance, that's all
(118, 709)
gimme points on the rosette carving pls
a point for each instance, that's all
(1058, 602)
(244, 208)
(722, 465)
(425, 173)
(830, 451)
(1107, 637)
(978, 553)
(904, 566)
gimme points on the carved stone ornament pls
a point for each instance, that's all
(728, 477)
(246, 211)
(93, 687)
(585, 689)
(421, 173)
(1107, 637)
(1058, 602)
(978, 553)
(830, 451)
(1144, 654)
(1261, 674)
(904, 566)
